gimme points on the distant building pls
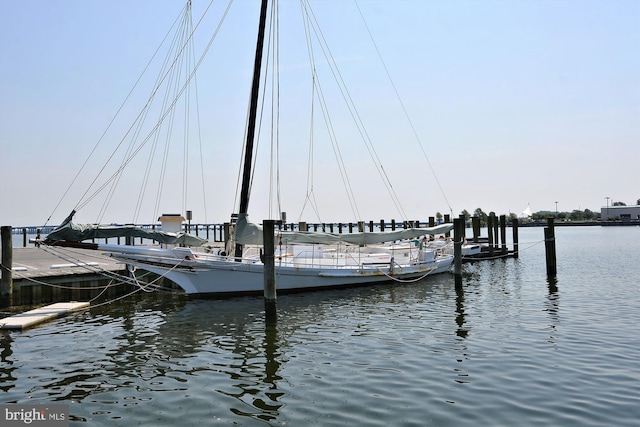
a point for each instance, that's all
(620, 213)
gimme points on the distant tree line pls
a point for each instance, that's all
(624, 204)
(575, 215)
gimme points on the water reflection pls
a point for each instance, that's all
(271, 378)
(462, 332)
(7, 367)
(552, 304)
(164, 353)
(552, 284)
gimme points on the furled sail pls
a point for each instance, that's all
(71, 232)
(248, 233)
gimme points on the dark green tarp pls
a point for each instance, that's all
(68, 231)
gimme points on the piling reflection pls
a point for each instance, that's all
(552, 284)
(552, 305)
(462, 331)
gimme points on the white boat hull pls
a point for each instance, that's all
(198, 274)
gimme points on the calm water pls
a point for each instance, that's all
(509, 350)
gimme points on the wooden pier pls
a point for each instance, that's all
(40, 277)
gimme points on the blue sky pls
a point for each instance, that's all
(515, 102)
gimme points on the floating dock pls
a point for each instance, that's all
(40, 315)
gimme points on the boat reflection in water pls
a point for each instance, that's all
(166, 359)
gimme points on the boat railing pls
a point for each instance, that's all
(329, 258)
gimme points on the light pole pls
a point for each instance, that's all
(607, 207)
(556, 209)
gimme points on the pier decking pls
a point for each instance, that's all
(32, 262)
(41, 277)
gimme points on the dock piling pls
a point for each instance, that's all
(490, 220)
(475, 223)
(496, 232)
(503, 234)
(550, 249)
(514, 227)
(458, 236)
(6, 283)
(269, 271)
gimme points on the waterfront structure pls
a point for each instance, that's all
(620, 213)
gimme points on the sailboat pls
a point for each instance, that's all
(304, 260)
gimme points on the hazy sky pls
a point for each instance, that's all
(516, 103)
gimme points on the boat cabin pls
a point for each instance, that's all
(171, 223)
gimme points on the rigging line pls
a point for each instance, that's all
(334, 143)
(152, 154)
(274, 175)
(336, 149)
(51, 285)
(137, 120)
(404, 109)
(190, 60)
(365, 136)
(256, 137)
(355, 115)
(185, 153)
(135, 291)
(174, 82)
(396, 279)
(91, 268)
(103, 291)
(310, 175)
(199, 128)
(259, 122)
(152, 96)
(145, 181)
(175, 44)
(310, 196)
(162, 117)
(324, 109)
(202, 177)
(156, 139)
(168, 132)
(75, 178)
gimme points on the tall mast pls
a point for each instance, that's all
(251, 125)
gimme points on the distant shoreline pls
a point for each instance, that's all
(581, 223)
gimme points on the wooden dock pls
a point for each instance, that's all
(33, 262)
(40, 277)
(40, 315)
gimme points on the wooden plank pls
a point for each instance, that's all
(40, 315)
